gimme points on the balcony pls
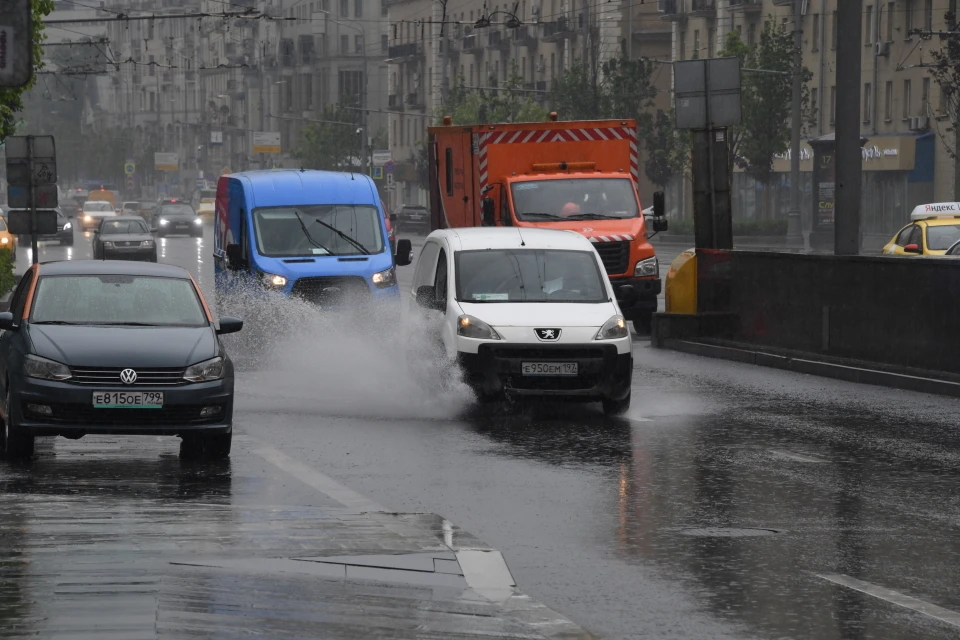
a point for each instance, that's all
(558, 29)
(783, 3)
(471, 44)
(674, 10)
(525, 35)
(746, 6)
(404, 52)
(497, 40)
(416, 102)
(703, 8)
(394, 102)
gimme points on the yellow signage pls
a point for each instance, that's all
(266, 142)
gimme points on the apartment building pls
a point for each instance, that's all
(903, 118)
(431, 45)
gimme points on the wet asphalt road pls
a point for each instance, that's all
(732, 502)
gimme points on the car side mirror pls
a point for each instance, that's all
(404, 254)
(6, 322)
(229, 325)
(96, 231)
(488, 210)
(393, 217)
(911, 248)
(659, 205)
(427, 297)
(660, 224)
(235, 256)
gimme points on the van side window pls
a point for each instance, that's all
(449, 171)
(440, 288)
(426, 265)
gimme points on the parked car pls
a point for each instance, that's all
(108, 347)
(177, 218)
(531, 315)
(124, 238)
(93, 212)
(413, 217)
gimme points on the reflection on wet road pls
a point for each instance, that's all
(731, 502)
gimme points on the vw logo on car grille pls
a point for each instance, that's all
(548, 335)
(128, 376)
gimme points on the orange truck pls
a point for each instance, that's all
(575, 175)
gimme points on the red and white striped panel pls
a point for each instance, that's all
(564, 135)
(623, 237)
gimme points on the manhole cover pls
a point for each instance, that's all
(728, 532)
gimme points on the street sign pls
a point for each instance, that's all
(376, 173)
(45, 196)
(19, 222)
(266, 142)
(380, 158)
(390, 167)
(131, 185)
(707, 89)
(166, 162)
(129, 168)
(16, 43)
(389, 178)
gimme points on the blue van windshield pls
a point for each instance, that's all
(324, 230)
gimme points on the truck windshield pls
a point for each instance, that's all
(575, 199)
(325, 229)
(529, 275)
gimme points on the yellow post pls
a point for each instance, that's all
(681, 284)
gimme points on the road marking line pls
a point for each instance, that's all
(895, 597)
(313, 478)
(796, 457)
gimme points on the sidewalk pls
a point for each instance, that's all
(117, 538)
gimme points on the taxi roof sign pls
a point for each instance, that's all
(936, 210)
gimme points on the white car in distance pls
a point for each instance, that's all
(94, 211)
(526, 313)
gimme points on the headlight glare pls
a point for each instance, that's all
(163, 222)
(87, 219)
(197, 221)
(273, 281)
(648, 267)
(37, 367)
(472, 327)
(612, 329)
(211, 369)
(384, 279)
(146, 243)
(4, 240)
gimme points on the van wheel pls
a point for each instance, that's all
(614, 408)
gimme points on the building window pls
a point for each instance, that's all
(383, 7)
(813, 100)
(907, 19)
(711, 42)
(868, 25)
(891, 11)
(867, 103)
(833, 104)
(928, 15)
(383, 43)
(681, 44)
(358, 44)
(344, 45)
(888, 101)
(696, 44)
(345, 8)
(833, 30)
(815, 33)
(751, 34)
(942, 109)
(357, 8)
(906, 99)
(925, 97)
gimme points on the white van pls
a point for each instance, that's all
(526, 312)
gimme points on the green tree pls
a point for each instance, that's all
(11, 99)
(945, 70)
(509, 103)
(574, 95)
(668, 149)
(765, 94)
(332, 143)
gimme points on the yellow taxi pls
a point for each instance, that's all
(7, 239)
(933, 229)
(206, 207)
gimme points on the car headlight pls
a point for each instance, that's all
(163, 222)
(37, 367)
(197, 221)
(211, 369)
(87, 219)
(615, 327)
(147, 243)
(471, 327)
(108, 245)
(4, 240)
(648, 267)
(273, 281)
(384, 279)
(67, 226)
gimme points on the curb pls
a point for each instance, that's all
(848, 373)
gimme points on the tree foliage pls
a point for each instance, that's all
(509, 103)
(11, 99)
(945, 70)
(334, 144)
(765, 99)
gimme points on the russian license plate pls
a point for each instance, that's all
(127, 399)
(549, 368)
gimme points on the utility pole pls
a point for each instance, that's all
(849, 159)
(629, 29)
(794, 230)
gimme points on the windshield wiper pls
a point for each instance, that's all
(539, 214)
(346, 237)
(310, 238)
(592, 216)
(128, 324)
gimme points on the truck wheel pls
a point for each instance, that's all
(614, 408)
(643, 324)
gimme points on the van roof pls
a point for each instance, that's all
(479, 238)
(287, 187)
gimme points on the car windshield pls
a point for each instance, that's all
(177, 210)
(941, 238)
(575, 199)
(529, 275)
(98, 206)
(114, 227)
(117, 299)
(328, 229)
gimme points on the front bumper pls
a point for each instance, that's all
(647, 290)
(131, 254)
(495, 370)
(174, 228)
(74, 415)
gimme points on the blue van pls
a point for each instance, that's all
(318, 235)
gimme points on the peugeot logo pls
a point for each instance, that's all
(128, 376)
(548, 335)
